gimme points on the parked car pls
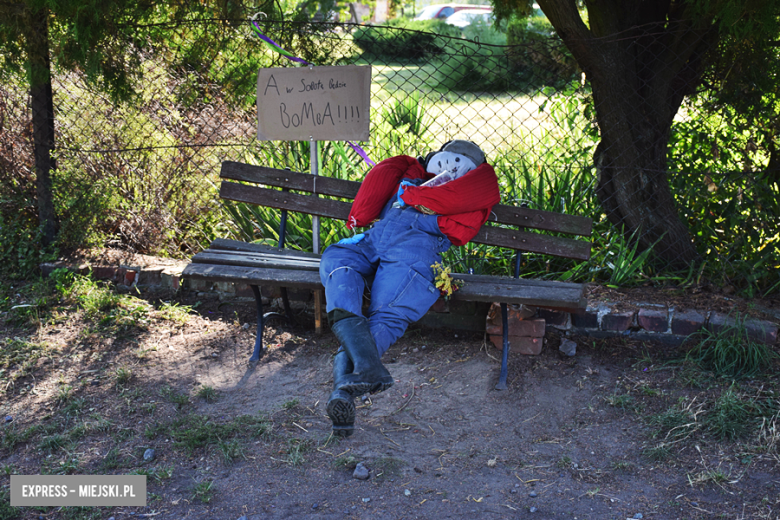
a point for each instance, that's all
(469, 16)
(445, 10)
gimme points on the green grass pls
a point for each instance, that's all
(123, 376)
(296, 450)
(203, 491)
(157, 474)
(195, 432)
(230, 450)
(18, 357)
(732, 415)
(178, 398)
(207, 393)
(658, 453)
(174, 312)
(730, 352)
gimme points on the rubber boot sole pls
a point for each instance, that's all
(356, 386)
(341, 410)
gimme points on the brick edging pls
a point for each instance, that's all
(668, 324)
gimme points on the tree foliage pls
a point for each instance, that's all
(643, 58)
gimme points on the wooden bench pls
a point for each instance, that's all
(260, 265)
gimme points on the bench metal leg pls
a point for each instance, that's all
(258, 351)
(505, 353)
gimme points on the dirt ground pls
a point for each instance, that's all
(570, 438)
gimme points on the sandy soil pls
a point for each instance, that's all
(570, 438)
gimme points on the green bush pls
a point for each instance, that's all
(405, 39)
(537, 54)
(477, 63)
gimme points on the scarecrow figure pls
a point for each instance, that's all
(412, 223)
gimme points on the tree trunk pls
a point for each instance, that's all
(42, 105)
(641, 59)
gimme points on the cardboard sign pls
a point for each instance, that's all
(320, 103)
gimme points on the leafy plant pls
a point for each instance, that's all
(624, 261)
(730, 352)
(203, 491)
(408, 113)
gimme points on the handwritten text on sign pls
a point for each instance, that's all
(320, 103)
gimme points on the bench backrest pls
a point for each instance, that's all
(520, 219)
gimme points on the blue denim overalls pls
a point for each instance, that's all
(398, 251)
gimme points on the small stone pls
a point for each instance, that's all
(568, 347)
(242, 518)
(149, 454)
(532, 494)
(366, 500)
(407, 493)
(109, 518)
(638, 516)
(315, 506)
(513, 491)
(361, 472)
(8, 418)
(533, 509)
(245, 326)
(416, 350)
(695, 504)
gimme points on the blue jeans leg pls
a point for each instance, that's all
(400, 295)
(343, 272)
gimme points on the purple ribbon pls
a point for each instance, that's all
(362, 153)
(275, 46)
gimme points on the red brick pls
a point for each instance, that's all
(719, 322)
(686, 323)
(244, 291)
(129, 277)
(757, 330)
(102, 272)
(587, 319)
(557, 319)
(524, 328)
(441, 305)
(519, 344)
(653, 320)
(763, 331)
(617, 321)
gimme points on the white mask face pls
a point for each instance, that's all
(450, 162)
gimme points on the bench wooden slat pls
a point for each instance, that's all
(289, 179)
(504, 214)
(475, 287)
(533, 242)
(236, 245)
(546, 220)
(254, 275)
(281, 200)
(523, 240)
(256, 260)
(538, 293)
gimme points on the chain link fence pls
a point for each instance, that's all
(142, 175)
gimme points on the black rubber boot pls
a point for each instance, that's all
(368, 374)
(341, 404)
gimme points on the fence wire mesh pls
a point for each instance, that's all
(142, 174)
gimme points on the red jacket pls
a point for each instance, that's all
(463, 205)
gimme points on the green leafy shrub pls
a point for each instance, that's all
(731, 207)
(477, 63)
(409, 113)
(537, 54)
(404, 39)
